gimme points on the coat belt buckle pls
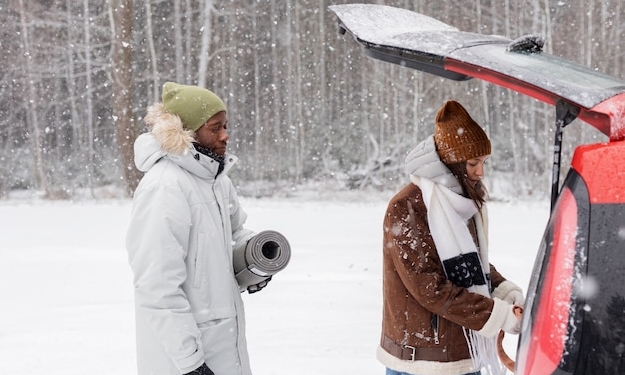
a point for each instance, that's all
(412, 355)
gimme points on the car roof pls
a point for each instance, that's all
(420, 42)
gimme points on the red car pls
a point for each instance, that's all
(574, 320)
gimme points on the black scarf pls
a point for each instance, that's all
(211, 154)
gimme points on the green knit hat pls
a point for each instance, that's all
(193, 104)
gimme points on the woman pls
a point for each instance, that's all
(444, 303)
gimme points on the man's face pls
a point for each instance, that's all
(214, 133)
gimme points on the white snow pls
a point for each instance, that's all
(375, 23)
(67, 301)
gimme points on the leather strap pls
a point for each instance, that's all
(411, 353)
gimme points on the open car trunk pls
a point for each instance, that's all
(575, 310)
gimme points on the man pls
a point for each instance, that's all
(186, 220)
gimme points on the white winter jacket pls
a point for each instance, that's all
(185, 221)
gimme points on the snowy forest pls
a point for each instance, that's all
(306, 107)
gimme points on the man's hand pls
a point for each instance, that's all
(256, 288)
(202, 370)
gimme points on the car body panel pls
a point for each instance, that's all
(420, 42)
(601, 167)
(575, 321)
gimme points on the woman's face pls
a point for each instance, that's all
(475, 169)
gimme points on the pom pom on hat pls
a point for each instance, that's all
(457, 137)
(193, 104)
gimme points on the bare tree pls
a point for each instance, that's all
(123, 113)
(33, 101)
(305, 103)
(179, 57)
(89, 100)
(153, 58)
(206, 33)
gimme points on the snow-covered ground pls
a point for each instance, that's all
(67, 302)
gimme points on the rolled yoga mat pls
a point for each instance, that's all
(264, 255)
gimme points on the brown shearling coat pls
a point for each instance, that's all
(417, 295)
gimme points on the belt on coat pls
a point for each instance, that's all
(412, 353)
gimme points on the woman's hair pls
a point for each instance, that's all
(477, 193)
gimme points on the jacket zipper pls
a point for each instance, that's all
(435, 322)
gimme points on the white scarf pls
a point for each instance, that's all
(463, 262)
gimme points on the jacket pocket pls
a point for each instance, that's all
(436, 322)
(200, 261)
(220, 340)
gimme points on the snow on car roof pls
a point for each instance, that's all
(414, 40)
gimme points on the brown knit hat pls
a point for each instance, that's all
(457, 137)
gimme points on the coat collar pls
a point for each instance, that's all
(423, 162)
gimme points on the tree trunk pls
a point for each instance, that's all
(616, 40)
(42, 181)
(207, 31)
(123, 114)
(189, 74)
(153, 62)
(299, 126)
(290, 93)
(89, 101)
(258, 127)
(276, 88)
(180, 71)
(77, 133)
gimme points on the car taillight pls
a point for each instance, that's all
(544, 350)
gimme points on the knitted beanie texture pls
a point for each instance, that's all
(193, 104)
(457, 137)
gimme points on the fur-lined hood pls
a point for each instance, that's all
(168, 138)
(168, 130)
